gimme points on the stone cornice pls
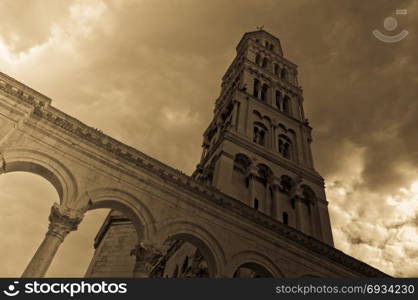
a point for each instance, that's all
(128, 154)
(17, 89)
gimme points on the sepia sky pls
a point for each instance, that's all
(147, 72)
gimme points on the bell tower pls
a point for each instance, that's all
(257, 147)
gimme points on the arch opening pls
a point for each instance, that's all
(37, 169)
(186, 256)
(25, 197)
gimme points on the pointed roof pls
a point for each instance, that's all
(261, 33)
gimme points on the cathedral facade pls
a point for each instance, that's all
(254, 206)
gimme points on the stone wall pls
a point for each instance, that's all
(114, 244)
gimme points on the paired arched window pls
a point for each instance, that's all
(285, 145)
(269, 45)
(242, 162)
(259, 134)
(260, 91)
(283, 103)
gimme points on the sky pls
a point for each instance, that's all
(148, 73)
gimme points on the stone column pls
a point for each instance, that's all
(147, 257)
(251, 189)
(60, 224)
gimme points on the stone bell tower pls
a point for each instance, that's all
(257, 147)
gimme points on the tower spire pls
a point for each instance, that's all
(257, 147)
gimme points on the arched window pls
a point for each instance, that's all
(264, 172)
(284, 74)
(257, 59)
(259, 134)
(308, 194)
(264, 92)
(256, 87)
(285, 218)
(242, 163)
(286, 105)
(286, 183)
(284, 146)
(278, 97)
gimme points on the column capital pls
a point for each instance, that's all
(62, 221)
(147, 256)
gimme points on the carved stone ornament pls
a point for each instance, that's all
(147, 256)
(61, 224)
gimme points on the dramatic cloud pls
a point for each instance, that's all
(148, 73)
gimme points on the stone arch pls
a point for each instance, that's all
(308, 193)
(252, 258)
(242, 162)
(129, 205)
(286, 183)
(50, 168)
(265, 172)
(200, 238)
